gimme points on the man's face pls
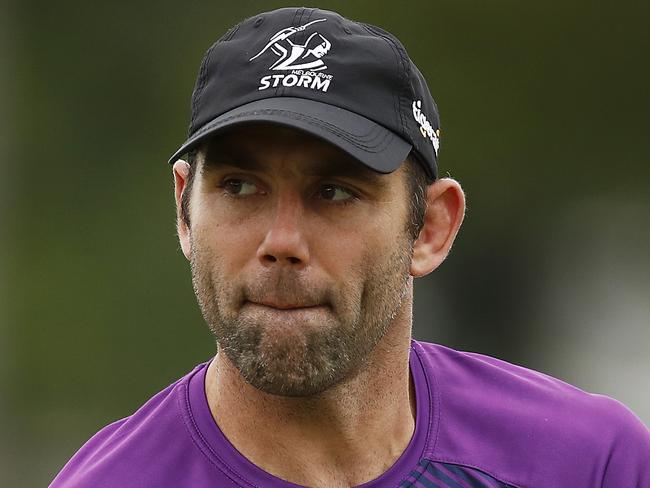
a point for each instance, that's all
(299, 254)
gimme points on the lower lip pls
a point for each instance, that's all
(295, 310)
(285, 309)
(289, 320)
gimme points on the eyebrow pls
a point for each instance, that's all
(342, 165)
(230, 155)
(346, 167)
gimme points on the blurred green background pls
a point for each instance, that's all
(544, 110)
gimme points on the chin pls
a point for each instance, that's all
(291, 359)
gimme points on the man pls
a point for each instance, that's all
(308, 200)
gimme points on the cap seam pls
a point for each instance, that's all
(304, 18)
(204, 71)
(396, 104)
(405, 79)
(198, 91)
(297, 16)
(230, 34)
(402, 72)
(310, 120)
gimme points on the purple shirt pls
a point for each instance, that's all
(480, 422)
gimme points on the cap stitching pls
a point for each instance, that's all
(202, 81)
(310, 120)
(200, 85)
(230, 34)
(402, 72)
(297, 15)
(304, 18)
(372, 30)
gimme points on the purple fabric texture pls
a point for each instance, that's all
(481, 422)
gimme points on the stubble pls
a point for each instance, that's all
(309, 353)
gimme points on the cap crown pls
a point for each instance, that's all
(319, 55)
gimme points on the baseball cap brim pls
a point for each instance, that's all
(372, 144)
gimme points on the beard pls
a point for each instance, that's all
(303, 352)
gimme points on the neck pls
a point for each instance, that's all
(345, 436)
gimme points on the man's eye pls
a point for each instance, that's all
(335, 193)
(239, 187)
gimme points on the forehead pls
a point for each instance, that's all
(259, 147)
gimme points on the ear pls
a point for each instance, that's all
(442, 219)
(181, 171)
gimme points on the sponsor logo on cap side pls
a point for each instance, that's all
(303, 61)
(425, 127)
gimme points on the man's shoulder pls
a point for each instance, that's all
(513, 420)
(497, 384)
(127, 450)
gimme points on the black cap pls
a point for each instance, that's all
(349, 83)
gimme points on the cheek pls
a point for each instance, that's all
(226, 243)
(347, 253)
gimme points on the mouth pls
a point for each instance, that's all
(295, 316)
(286, 306)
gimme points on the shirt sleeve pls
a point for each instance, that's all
(628, 461)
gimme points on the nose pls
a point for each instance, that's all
(284, 242)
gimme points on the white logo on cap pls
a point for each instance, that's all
(303, 60)
(425, 127)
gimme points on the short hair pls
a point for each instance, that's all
(416, 177)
